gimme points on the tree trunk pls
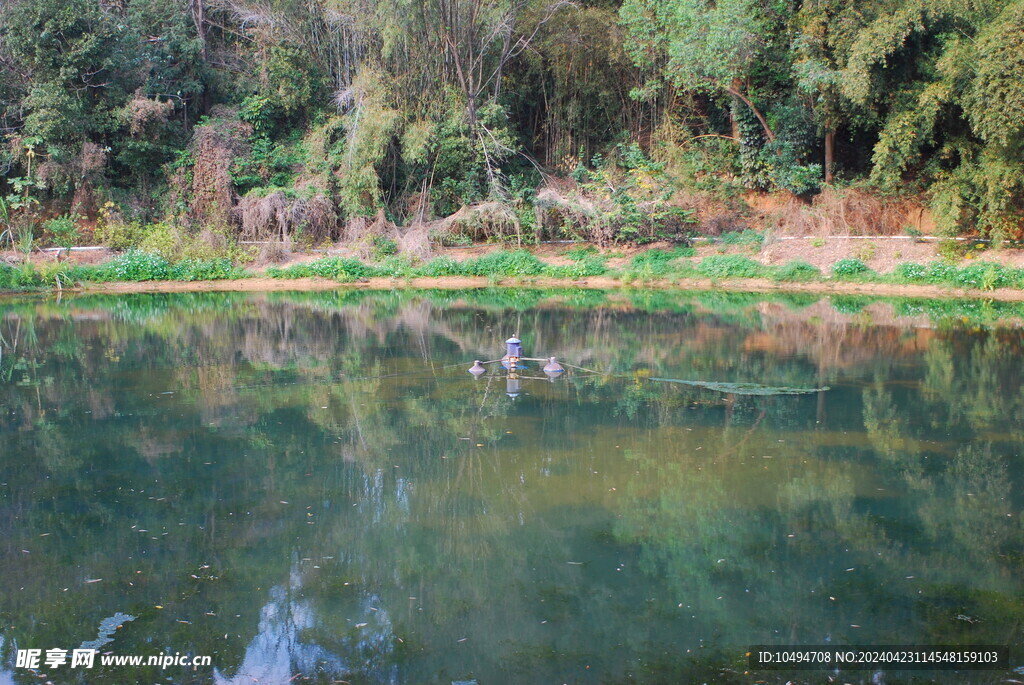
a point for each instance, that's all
(733, 120)
(198, 11)
(830, 152)
(757, 113)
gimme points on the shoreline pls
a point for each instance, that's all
(752, 285)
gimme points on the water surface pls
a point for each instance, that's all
(311, 485)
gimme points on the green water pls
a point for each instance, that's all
(312, 485)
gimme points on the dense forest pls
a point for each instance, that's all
(605, 120)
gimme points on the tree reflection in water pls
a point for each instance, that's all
(303, 484)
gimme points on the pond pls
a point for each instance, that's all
(311, 485)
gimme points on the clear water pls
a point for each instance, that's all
(312, 486)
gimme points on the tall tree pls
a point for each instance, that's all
(701, 44)
(823, 34)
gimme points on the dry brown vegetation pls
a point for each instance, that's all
(484, 221)
(835, 212)
(275, 216)
(214, 147)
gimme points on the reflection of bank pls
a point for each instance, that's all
(513, 363)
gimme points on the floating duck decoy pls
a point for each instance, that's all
(553, 369)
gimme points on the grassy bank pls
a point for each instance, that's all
(663, 267)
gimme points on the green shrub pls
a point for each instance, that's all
(136, 265)
(62, 230)
(383, 247)
(940, 272)
(22, 277)
(658, 262)
(730, 266)
(162, 239)
(797, 270)
(119, 235)
(440, 266)
(337, 268)
(8, 277)
(395, 267)
(850, 268)
(984, 276)
(579, 252)
(952, 250)
(78, 273)
(581, 268)
(746, 237)
(586, 262)
(205, 270)
(912, 271)
(505, 263)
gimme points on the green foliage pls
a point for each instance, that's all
(731, 266)
(796, 270)
(584, 264)
(655, 263)
(121, 235)
(706, 44)
(136, 265)
(980, 275)
(77, 53)
(637, 190)
(20, 278)
(370, 125)
(912, 271)
(440, 266)
(746, 237)
(412, 113)
(205, 270)
(504, 263)
(337, 268)
(164, 240)
(578, 252)
(292, 78)
(62, 230)
(952, 250)
(383, 246)
(850, 268)
(395, 267)
(995, 100)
